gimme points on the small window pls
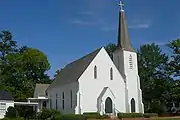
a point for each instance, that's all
(63, 100)
(95, 72)
(130, 62)
(71, 98)
(111, 74)
(56, 101)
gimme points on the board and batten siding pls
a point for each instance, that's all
(65, 96)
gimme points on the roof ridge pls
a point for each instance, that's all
(72, 71)
(82, 57)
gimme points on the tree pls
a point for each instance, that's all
(25, 69)
(57, 72)
(21, 68)
(174, 64)
(7, 45)
(174, 69)
(153, 73)
(110, 48)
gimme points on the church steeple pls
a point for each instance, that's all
(123, 36)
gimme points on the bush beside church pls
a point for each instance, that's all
(50, 114)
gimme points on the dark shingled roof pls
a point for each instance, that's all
(40, 90)
(74, 70)
(123, 36)
(5, 95)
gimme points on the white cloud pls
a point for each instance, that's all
(107, 28)
(89, 19)
(81, 22)
(139, 26)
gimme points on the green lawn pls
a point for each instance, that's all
(167, 118)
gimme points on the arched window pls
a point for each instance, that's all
(95, 72)
(111, 74)
(130, 62)
(133, 105)
(63, 100)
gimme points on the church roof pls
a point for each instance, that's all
(72, 72)
(40, 90)
(123, 36)
(5, 95)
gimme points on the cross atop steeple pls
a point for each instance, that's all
(123, 35)
(121, 4)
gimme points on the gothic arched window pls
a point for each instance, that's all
(130, 62)
(95, 72)
(111, 74)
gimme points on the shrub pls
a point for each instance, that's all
(129, 115)
(95, 115)
(25, 111)
(11, 112)
(105, 117)
(148, 115)
(73, 117)
(17, 118)
(48, 113)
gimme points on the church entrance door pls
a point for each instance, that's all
(108, 105)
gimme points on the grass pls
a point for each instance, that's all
(167, 118)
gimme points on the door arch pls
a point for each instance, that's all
(108, 105)
(133, 105)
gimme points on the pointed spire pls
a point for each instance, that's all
(123, 35)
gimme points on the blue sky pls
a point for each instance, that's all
(68, 29)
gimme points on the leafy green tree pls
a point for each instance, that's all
(57, 72)
(25, 69)
(110, 48)
(174, 64)
(174, 69)
(21, 68)
(153, 74)
(7, 45)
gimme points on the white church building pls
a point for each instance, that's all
(96, 83)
